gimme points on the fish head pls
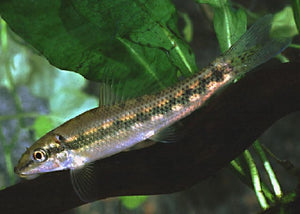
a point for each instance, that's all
(45, 155)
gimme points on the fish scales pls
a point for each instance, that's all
(151, 111)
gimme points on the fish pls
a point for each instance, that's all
(112, 128)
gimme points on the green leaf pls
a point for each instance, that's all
(296, 9)
(284, 23)
(115, 40)
(132, 202)
(229, 24)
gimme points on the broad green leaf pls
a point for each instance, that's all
(296, 10)
(284, 23)
(121, 40)
(132, 202)
(229, 24)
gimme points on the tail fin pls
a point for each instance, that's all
(256, 46)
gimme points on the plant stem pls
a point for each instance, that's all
(268, 168)
(282, 58)
(256, 180)
(19, 116)
(295, 46)
(286, 164)
(3, 36)
(240, 172)
(7, 157)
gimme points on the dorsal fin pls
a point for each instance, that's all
(109, 95)
(115, 91)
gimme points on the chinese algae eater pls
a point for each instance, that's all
(110, 129)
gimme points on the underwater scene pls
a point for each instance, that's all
(149, 107)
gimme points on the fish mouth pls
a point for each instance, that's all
(18, 172)
(24, 175)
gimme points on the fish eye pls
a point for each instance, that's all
(39, 155)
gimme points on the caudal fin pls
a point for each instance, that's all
(256, 46)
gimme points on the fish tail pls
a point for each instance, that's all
(255, 47)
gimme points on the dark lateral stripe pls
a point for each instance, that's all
(54, 150)
(197, 85)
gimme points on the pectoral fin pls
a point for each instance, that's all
(166, 135)
(84, 182)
